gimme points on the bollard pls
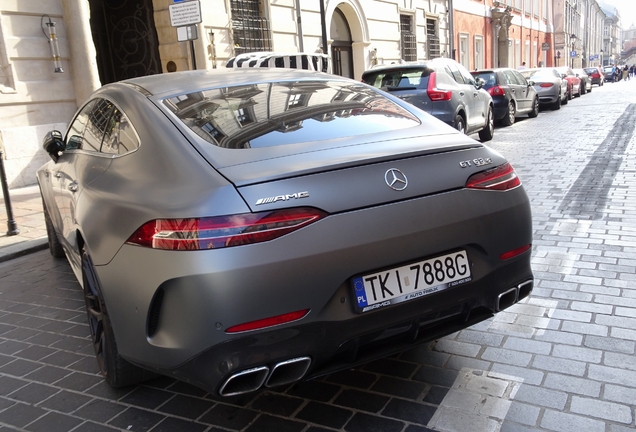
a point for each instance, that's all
(12, 227)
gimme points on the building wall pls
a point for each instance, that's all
(35, 100)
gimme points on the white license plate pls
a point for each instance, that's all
(411, 281)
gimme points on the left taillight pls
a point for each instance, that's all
(222, 231)
(502, 177)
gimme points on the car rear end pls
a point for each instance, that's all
(595, 75)
(420, 85)
(545, 85)
(366, 227)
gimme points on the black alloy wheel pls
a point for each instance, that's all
(509, 118)
(460, 125)
(488, 131)
(535, 108)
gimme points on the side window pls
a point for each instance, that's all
(120, 136)
(467, 76)
(520, 78)
(98, 121)
(74, 136)
(510, 77)
(457, 75)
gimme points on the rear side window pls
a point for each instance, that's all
(98, 122)
(75, 134)
(396, 79)
(511, 79)
(287, 113)
(120, 137)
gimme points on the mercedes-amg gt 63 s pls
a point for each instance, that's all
(241, 229)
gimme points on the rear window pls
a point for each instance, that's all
(591, 70)
(489, 78)
(399, 79)
(273, 114)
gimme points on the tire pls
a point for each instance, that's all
(535, 108)
(584, 89)
(116, 371)
(509, 118)
(580, 92)
(566, 99)
(488, 131)
(55, 247)
(459, 123)
(557, 104)
(570, 95)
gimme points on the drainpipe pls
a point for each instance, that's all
(300, 27)
(451, 29)
(323, 24)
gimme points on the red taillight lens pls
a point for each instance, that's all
(434, 93)
(545, 85)
(222, 231)
(496, 91)
(268, 322)
(500, 178)
(515, 252)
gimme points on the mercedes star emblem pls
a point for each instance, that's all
(396, 179)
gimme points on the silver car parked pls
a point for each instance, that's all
(550, 86)
(441, 87)
(240, 229)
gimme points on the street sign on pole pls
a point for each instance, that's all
(184, 14)
(572, 53)
(545, 46)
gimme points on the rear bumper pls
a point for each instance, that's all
(500, 107)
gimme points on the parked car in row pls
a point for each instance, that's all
(511, 93)
(550, 86)
(574, 82)
(612, 74)
(441, 87)
(242, 229)
(586, 81)
(596, 75)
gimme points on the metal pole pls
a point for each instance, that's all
(299, 22)
(323, 25)
(194, 57)
(12, 227)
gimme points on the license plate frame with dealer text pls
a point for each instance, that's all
(410, 281)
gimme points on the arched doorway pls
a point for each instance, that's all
(125, 39)
(342, 45)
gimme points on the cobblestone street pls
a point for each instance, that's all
(563, 359)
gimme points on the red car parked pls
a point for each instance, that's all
(596, 74)
(574, 82)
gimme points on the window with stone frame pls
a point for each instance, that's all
(433, 47)
(250, 28)
(408, 44)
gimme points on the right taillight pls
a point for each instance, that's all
(499, 178)
(496, 91)
(546, 85)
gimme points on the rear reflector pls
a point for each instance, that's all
(499, 178)
(515, 252)
(222, 231)
(434, 93)
(268, 322)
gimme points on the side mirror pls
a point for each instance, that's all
(530, 83)
(53, 144)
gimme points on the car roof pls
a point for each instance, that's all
(164, 85)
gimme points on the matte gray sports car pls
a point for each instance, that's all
(245, 228)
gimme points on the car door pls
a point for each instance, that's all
(523, 92)
(80, 164)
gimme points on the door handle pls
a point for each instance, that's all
(461, 93)
(73, 186)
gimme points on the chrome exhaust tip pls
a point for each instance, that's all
(244, 382)
(525, 289)
(506, 299)
(287, 372)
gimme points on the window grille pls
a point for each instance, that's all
(251, 31)
(433, 44)
(409, 45)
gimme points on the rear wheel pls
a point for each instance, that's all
(535, 108)
(509, 118)
(116, 371)
(570, 94)
(557, 103)
(488, 131)
(460, 125)
(566, 99)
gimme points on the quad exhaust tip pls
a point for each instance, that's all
(513, 295)
(250, 380)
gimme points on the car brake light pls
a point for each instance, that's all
(496, 91)
(500, 178)
(268, 322)
(434, 93)
(222, 231)
(515, 252)
(546, 85)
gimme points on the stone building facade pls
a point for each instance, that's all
(102, 41)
